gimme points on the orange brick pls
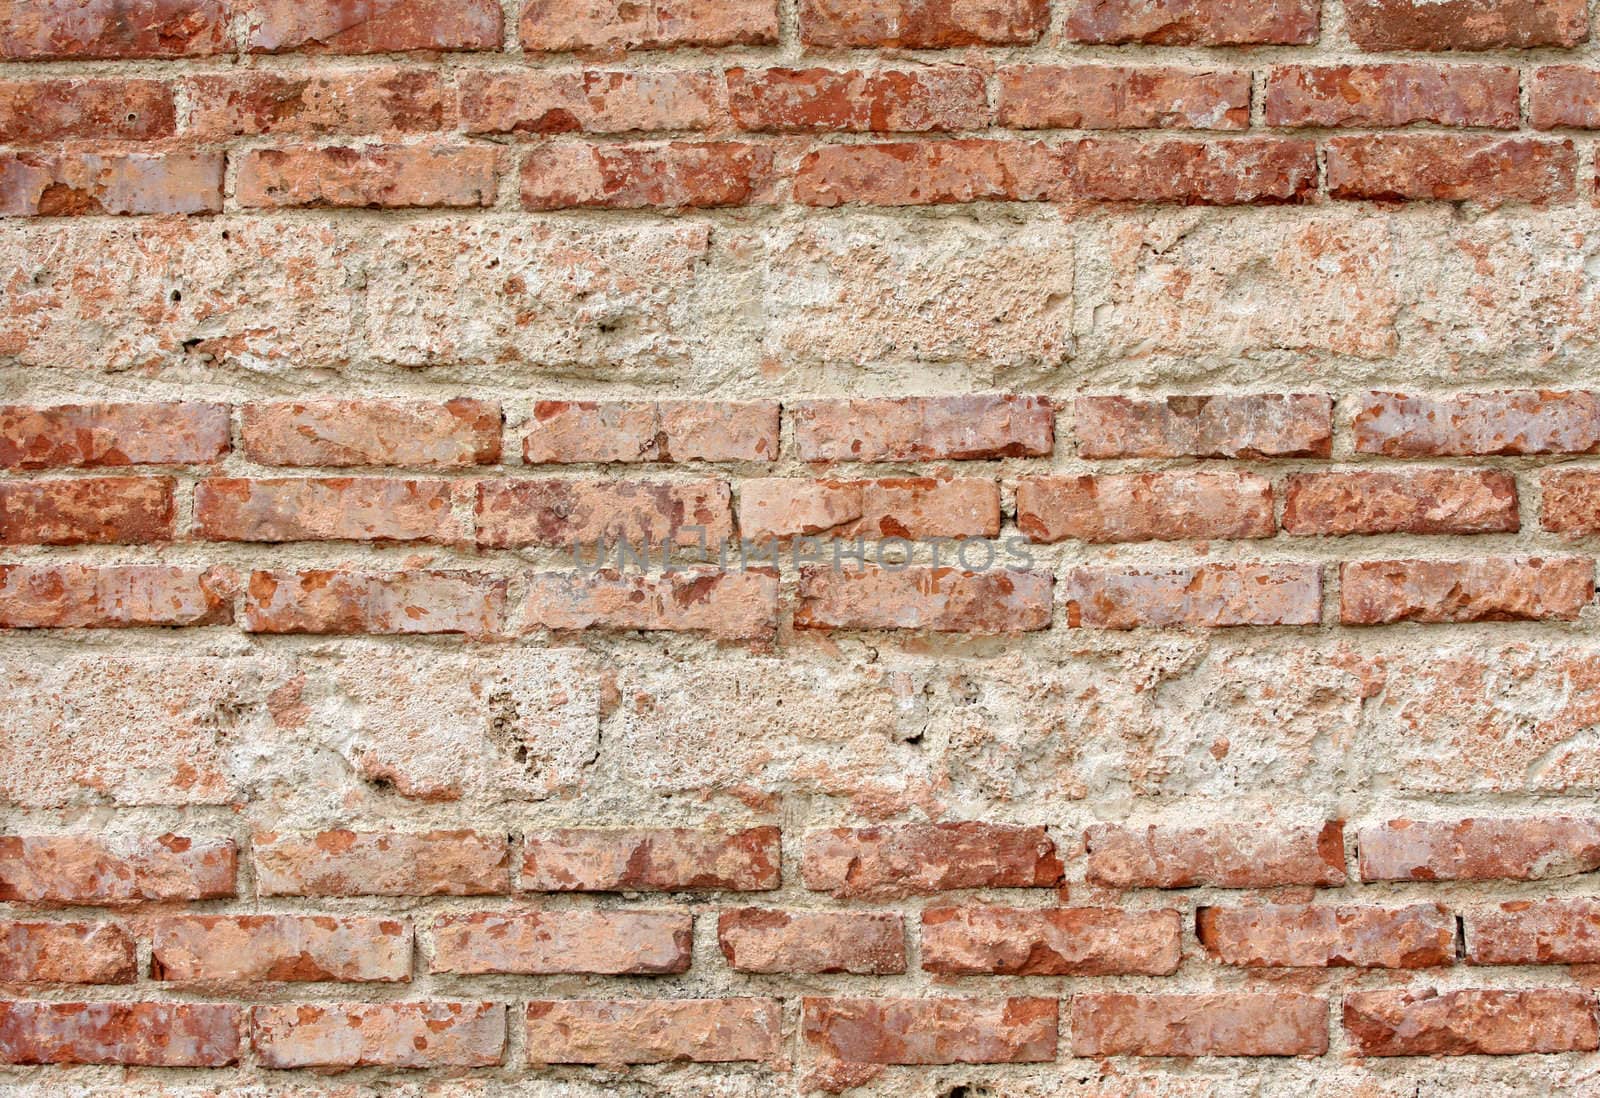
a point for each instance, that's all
(136, 1034)
(632, 943)
(87, 511)
(566, 512)
(561, 25)
(1193, 22)
(931, 1031)
(1217, 1024)
(37, 111)
(653, 1031)
(1079, 941)
(726, 605)
(565, 432)
(250, 949)
(1145, 507)
(80, 869)
(81, 596)
(382, 863)
(1122, 97)
(378, 176)
(953, 428)
(327, 509)
(105, 435)
(60, 30)
(650, 860)
(892, 861)
(918, 24)
(65, 953)
(397, 1035)
(1327, 935)
(1222, 855)
(67, 184)
(353, 26)
(1432, 501)
(592, 101)
(1393, 95)
(392, 603)
(1491, 170)
(343, 433)
(1208, 596)
(1466, 24)
(1489, 1022)
(1228, 172)
(1252, 426)
(812, 942)
(367, 101)
(942, 600)
(917, 508)
(1536, 848)
(938, 97)
(1378, 592)
(626, 177)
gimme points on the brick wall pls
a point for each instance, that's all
(1212, 390)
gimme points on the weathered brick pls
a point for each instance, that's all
(87, 511)
(384, 26)
(104, 435)
(60, 30)
(142, 1034)
(1074, 941)
(541, 943)
(1473, 1022)
(1393, 95)
(403, 1035)
(896, 507)
(919, 173)
(80, 869)
(653, 1031)
(1193, 22)
(953, 428)
(1466, 24)
(893, 861)
(1490, 170)
(1247, 425)
(1327, 935)
(938, 97)
(67, 184)
(561, 513)
(921, 24)
(249, 949)
(1179, 506)
(1570, 501)
(342, 433)
(1122, 97)
(37, 111)
(650, 860)
(1216, 1024)
(65, 953)
(363, 101)
(1431, 501)
(382, 863)
(1209, 596)
(327, 509)
(931, 1031)
(1514, 422)
(812, 942)
(378, 176)
(943, 600)
(1532, 849)
(1564, 95)
(592, 101)
(1229, 172)
(390, 603)
(1535, 932)
(561, 25)
(1378, 592)
(728, 605)
(661, 174)
(81, 596)
(1224, 855)
(570, 431)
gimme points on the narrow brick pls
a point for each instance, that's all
(1216, 1024)
(1222, 855)
(1122, 97)
(935, 98)
(1076, 941)
(672, 175)
(362, 101)
(327, 509)
(343, 433)
(1474, 1022)
(83, 30)
(385, 603)
(1465, 24)
(1209, 596)
(564, 512)
(950, 428)
(357, 27)
(87, 511)
(382, 863)
(1535, 932)
(1379, 592)
(36, 111)
(1533, 849)
(65, 953)
(565, 432)
(931, 1031)
(79, 869)
(1193, 22)
(921, 173)
(1431, 501)
(397, 1035)
(69, 184)
(1230, 172)
(112, 435)
(943, 600)
(250, 949)
(1490, 170)
(1179, 506)
(1382, 96)
(812, 942)
(1513, 422)
(565, 25)
(918, 508)
(1251, 426)
(378, 176)
(543, 943)
(1564, 95)
(82, 596)
(135, 1034)
(1328, 936)
(727, 605)
(650, 860)
(592, 101)
(893, 861)
(921, 24)
(653, 1031)
(1570, 501)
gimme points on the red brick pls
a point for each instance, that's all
(1564, 95)
(68, 184)
(592, 101)
(80, 869)
(939, 97)
(340, 433)
(1488, 1022)
(365, 101)
(1533, 849)
(1432, 501)
(104, 435)
(87, 511)
(382, 863)
(1209, 596)
(951, 428)
(1393, 95)
(812, 942)
(387, 603)
(142, 1034)
(693, 175)
(1328, 936)
(931, 1031)
(560, 513)
(1512, 422)
(1216, 1024)
(893, 861)
(1193, 22)
(1122, 97)
(1229, 172)
(919, 173)
(1179, 506)
(37, 111)
(1535, 932)
(378, 176)
(726, 605)
(543, 943)
(559, 25)
(1224, 855)
(650, 860)
(1465, 24)
(1378, 592)
(570, 431)
(44, 30)
(1571, 501)
(327, 509)
(1451, 169)
(653, 1031)
(943, 600)
(403, 1035)
(922, 24)
(249, 949)
(65, 953)
(1076, 941)
(897, 507)
(363, 26)
(1247, 425)
(81, 596)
